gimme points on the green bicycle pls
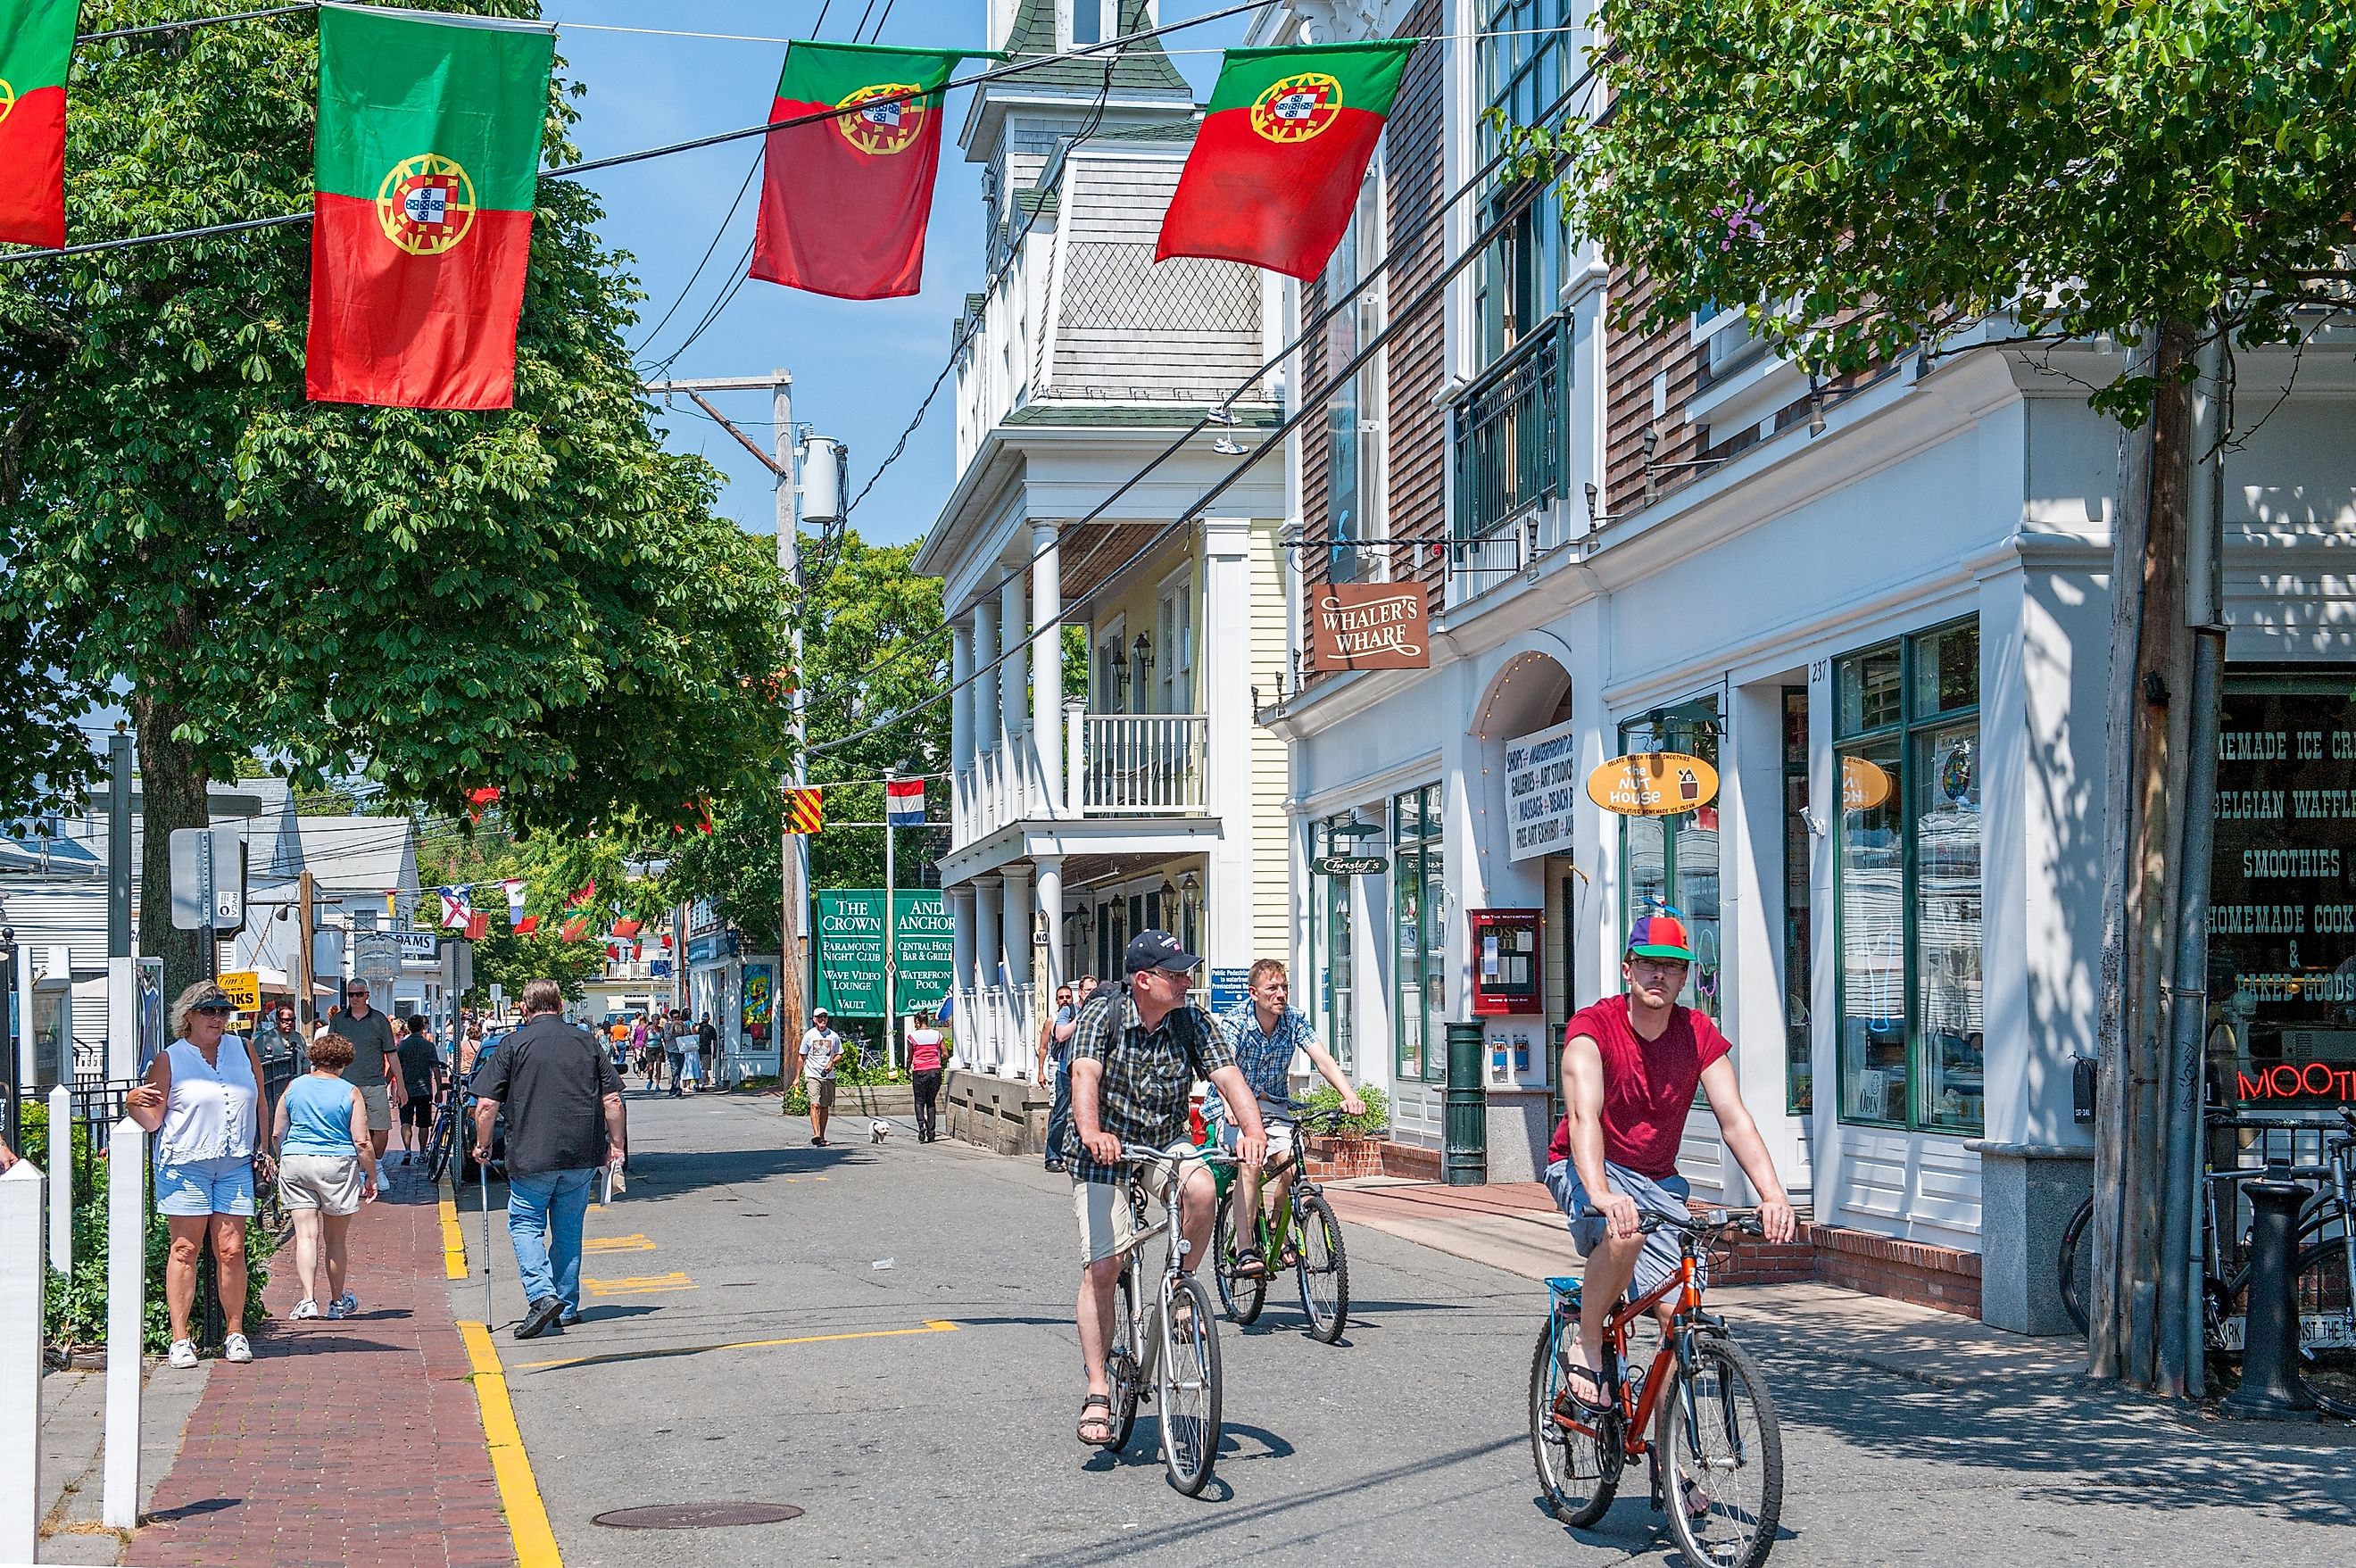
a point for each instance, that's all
(1304, 1235)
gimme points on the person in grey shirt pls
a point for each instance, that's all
(375, 1070)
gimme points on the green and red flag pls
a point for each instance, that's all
(35, 46)
(845, 198)
(1275, 168)
(428, 162)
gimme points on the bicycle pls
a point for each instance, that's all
(441, 1142)
(2323, 1274)
(1320, 1267)
(1713, 1422)
(1178, 1352)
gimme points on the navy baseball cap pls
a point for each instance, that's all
(1157, 949)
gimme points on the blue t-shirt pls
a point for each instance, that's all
(318, 1117)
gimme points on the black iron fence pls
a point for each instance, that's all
(1512, 433)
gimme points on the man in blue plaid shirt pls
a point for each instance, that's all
(1266, 1031)
(1136, 1053)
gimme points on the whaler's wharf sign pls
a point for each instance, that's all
(1370, 626)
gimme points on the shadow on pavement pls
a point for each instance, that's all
(197, 1509)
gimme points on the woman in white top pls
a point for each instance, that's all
(203, 1098)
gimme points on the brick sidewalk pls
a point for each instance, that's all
(352, 1444)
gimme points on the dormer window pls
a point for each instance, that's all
(1090, 25)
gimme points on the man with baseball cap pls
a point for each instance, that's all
(1136, 1053)
(1630, 1066)
(821, 1049)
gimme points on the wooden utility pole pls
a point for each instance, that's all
(305, 914)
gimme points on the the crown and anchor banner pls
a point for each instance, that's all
(428, 162)
(1285, 142)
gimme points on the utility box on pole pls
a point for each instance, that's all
(208, 878)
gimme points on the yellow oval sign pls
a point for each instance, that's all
(1653, 784)
(1864, 785)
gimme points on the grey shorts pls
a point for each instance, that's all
(822, 1092)
(328, 1183)
(379, 1100)
(1658, 1261)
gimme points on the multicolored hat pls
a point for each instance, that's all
(1660, 936)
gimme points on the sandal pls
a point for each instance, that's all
(1569, 1403)
(1248, 1265)
(1288, 1256)
(1103, 1423)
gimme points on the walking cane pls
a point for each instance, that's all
(483, 1175)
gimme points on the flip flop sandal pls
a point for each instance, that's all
(1249, 1266)
(1571, 1403)
(1288, 1256)
(1096, 1402)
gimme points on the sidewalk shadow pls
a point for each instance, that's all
(197, 1509)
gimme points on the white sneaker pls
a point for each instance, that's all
(183, 1353)
(235, 1348)
(345, 1306)
(305, 1308)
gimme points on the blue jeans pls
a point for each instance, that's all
(1059, 1114)
(545, 1213)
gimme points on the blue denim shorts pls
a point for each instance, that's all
(1658, 1261)
(195, 1187)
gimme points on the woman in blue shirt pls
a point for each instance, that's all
(326, 1172)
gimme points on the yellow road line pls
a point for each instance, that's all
(639, 1284)
(617, 1244)
(535, 1541)
(936, 1325)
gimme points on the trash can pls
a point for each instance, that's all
(1466, 1162)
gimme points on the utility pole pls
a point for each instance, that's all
(793, 876)
(303, 987)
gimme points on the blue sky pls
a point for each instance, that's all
(860, 367)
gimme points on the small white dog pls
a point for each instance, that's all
(878, 1131)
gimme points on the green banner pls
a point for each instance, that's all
(849, 950)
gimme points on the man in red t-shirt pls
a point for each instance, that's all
(1630, 1066)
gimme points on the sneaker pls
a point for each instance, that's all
(236, 1349)
(305, 1308)
(183, 1353)
(571, 1315)
(346, 1305)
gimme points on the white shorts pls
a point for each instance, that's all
(1281, 1137)
(1108, 1229)
(328, 1183)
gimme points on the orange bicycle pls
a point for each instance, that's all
(1716, 1454)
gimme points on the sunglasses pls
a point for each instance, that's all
(221, 1007)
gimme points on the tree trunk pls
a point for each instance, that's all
(172, 794)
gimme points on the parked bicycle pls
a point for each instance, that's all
(1313, 1238)
(1715, 1454)
(2323, 1275)
(1167, 1338)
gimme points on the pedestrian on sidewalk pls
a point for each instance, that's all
(563, 1106)
(924, 1073)
(376, 1068)
(1056, 1071)
(277, 1036)
(821, 1049)
(421, 1085)
(203, 1094)
(682, 1038)
(325, 1174)
(691, 1063)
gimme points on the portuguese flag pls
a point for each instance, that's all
(1275, 168)
(36, 45)
(844, 199)
(428, 161)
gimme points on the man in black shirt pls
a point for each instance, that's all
(564, 1122)
(421, 1085)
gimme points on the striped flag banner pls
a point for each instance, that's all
(903, 802)
(803, 812)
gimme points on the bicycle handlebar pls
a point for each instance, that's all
(1136, 1154)
(1712, 1222)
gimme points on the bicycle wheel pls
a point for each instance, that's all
(1242, 1297)
(438, 1145)
(1578, 1472)
(1716, 1436)
(1323, 1270)
(2074, 1267)
(1121, 1363)
(1188, 1386)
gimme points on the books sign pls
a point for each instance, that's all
(1653, 784)
(1370, 626)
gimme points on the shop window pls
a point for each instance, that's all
(1907, 882)
(1672, 860)
(1419, 973)
(1330, 934)
(1799, 1063)
(1352, 422)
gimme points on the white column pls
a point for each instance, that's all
(960, 729)
(987, 908)
(21, 1283)
(1013, 690)
(126, 1311)
(1047, 665)
(1014, 926)
(1075, 758)
(1051, 900)
(961, 939)
(1223, 668)
(984, 699)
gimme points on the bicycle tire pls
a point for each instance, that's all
(1120, 1365)
(1576, 1476)
(2073, 1294)
(1323, 1271)
(1733, 1380)
(437, 1146)
(1187, 1388)
(1242, 1298)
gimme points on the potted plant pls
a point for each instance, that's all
(1354, 1147)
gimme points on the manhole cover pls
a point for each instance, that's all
(697, 1516)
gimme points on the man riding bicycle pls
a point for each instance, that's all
(1630, 1066)
(1135, 1056)
(1265, 1032)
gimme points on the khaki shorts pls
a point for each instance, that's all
(378, 1098)
(822, 1092)
(1108, 1229)
(328, 1183)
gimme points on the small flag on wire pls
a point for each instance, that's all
(456, 906)
(527, 925)
(514, 889)
(805, 812)
(627, 927)
(481, 800)
(571, 931)
(903, 802)
(392, 903)
(478, 926)
(580, 900)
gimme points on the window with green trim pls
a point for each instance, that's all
(1419, 974)
(1906, 884)
(1672, 860)
(1330, 937)
(1799, 1061)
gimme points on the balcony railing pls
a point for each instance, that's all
(1141, 764)
(1512, 439)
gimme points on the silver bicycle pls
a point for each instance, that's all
(1166, 1339)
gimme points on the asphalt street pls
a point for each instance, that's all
(882, 1337)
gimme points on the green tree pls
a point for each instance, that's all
(540, 599)
(555, 868)
(1873, 176)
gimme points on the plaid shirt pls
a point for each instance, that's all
(1266, 1056)
(1149, 1076)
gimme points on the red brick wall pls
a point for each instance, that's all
(1941, 1277)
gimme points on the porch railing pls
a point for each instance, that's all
(991, 1029)
(1512, 436)
(1145, 764)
